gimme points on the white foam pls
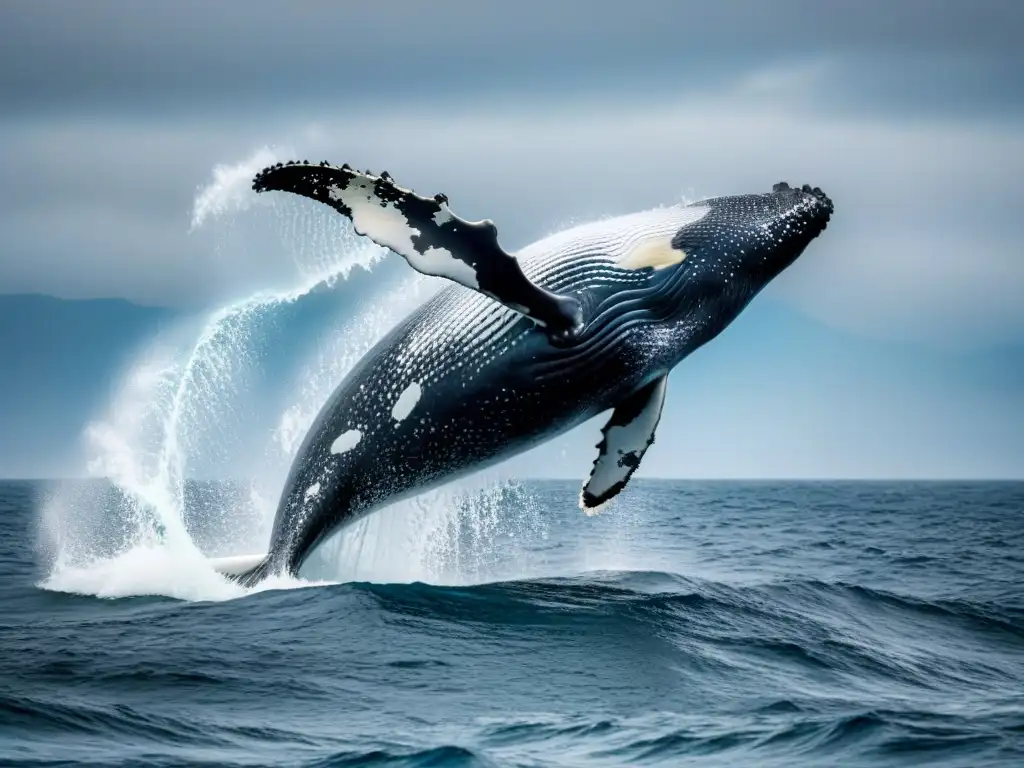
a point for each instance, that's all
(159, 571)
(145, 570)
(478, 531)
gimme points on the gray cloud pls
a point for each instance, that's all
(923, 243)
(189, 54)
(536, 116)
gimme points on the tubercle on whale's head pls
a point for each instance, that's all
(747, 240)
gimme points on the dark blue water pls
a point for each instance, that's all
(732, 624)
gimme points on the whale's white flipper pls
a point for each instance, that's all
(425, 232)
(236, 565)
(627, 436)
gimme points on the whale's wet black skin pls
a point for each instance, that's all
(467, 381)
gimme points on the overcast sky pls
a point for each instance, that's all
(910, 114)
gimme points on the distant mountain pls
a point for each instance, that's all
(58, 360)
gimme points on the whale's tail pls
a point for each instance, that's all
(247, 570)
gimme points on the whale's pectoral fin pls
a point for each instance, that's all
(627, 436)
(425, 232)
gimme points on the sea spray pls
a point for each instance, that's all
(188, 401)
(482, 529)
(176, 404)
(230, 189)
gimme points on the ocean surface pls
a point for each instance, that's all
(693, 623)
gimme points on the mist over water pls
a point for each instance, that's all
(205, 399)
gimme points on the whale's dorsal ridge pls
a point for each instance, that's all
(626, 438)
(432, 239)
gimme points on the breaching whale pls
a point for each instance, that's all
(524, 348)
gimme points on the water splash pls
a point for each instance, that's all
(483, 529)
(230, 190)
(188, 403)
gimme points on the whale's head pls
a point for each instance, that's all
(728, 248)
(747, 240)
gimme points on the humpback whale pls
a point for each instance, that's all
(525, 346)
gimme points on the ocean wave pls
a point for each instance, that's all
(433, 757)
(658, 592)
(772, 736)
(711, 633)
(70, 715)
(718, 659)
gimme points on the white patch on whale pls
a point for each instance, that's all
(443, 216)
(346, 441)
(386, 225)
(657, 253)
(627, 436)
(407, 401)
(313, 490)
